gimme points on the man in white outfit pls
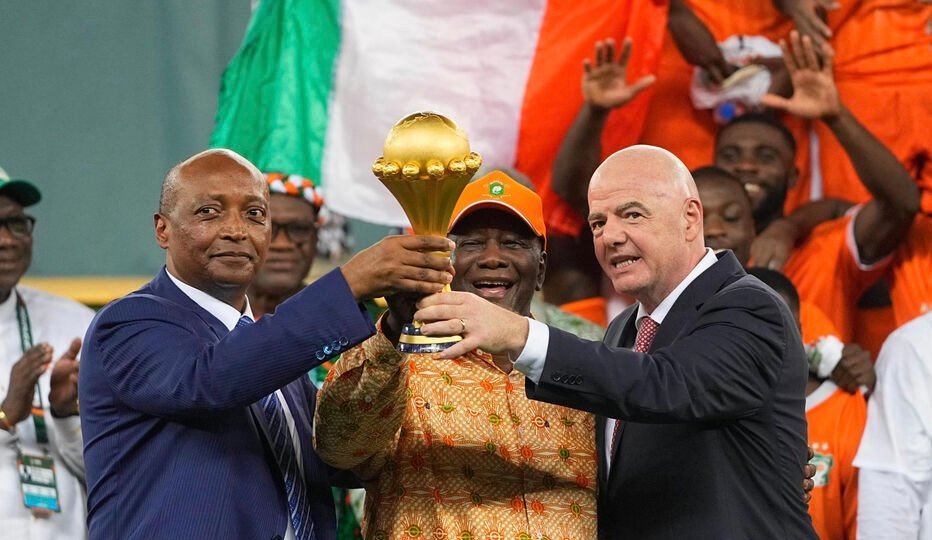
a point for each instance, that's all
(895, 456)
(41, 462)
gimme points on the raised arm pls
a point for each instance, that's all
(604, 88)
(885, 219)
(696, 43)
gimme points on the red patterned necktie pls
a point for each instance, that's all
(645, 337)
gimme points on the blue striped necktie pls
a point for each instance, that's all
(283, 448)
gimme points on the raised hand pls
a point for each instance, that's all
(815, 95)
(809, 16)
(63, 395)
(23, 376)
(605, 84)
(415, 264)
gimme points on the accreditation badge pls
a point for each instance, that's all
(38, 483)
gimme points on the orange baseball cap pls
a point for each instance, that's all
(498, 190)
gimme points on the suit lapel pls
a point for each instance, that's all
(684, 310)
(621, 333)
(724, 271)
(163, 286)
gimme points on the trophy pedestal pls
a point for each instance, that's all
(411, 341)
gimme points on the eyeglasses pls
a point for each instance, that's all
(299, 232)
(19, 226)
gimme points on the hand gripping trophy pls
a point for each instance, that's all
(426, 164)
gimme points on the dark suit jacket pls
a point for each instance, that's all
(173, 445)
(713, 437)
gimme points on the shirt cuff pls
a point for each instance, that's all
(68, 429)
(532, 358)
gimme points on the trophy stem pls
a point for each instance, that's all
(412, 341)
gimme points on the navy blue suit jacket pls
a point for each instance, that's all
(713, 436)
(173, 443)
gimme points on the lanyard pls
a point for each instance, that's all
(25, 340)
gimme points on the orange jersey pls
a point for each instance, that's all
(911, 272)
(883, 68)
(815, 324)
(836, 421)
(825, 271)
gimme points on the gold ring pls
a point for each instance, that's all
(462, 322)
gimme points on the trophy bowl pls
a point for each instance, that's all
(426, 163)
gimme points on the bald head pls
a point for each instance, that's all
(646, 222)
(651, 166)
(212, 161)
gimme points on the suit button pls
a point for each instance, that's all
(344, 342)
(320, 355)
(557, 377)
(335, 346)
(579, 379)
(327, 350)
(277, 537)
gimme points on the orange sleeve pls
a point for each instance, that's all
(826, 273)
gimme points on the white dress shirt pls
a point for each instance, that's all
(533, 356)
(229, 316)
(895, 456)
(57, 321)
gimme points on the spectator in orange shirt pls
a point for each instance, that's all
(729, 224)
(839, 259)
(836, 421)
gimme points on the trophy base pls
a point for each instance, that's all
(411, 341)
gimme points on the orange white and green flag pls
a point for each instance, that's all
(317, 84)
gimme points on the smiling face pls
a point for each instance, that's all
(216, 229)
(15, 251)
(499, 258)
(646, 222)
(727, 220)
(761, 157)
(289, 261)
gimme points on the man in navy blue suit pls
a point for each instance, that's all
(197, 421)
(701, 428)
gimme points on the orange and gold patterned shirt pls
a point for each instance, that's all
(454, 448)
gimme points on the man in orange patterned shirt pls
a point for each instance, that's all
(454, 448)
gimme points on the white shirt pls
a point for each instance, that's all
(229, 316)
(532, 358)
(895, 456)
(57, 321)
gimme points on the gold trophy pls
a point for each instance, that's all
(426, 164)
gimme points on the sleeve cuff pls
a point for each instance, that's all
(852, 244)
(532, 357)
(68, 429)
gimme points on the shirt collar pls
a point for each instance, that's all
(660, 312)
(226, 313)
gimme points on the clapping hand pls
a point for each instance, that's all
(23, 376)
(63, 395)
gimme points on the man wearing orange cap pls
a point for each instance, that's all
(454, 448)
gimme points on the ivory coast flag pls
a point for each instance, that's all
(317, 84)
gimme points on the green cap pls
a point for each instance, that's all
(19, 190)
